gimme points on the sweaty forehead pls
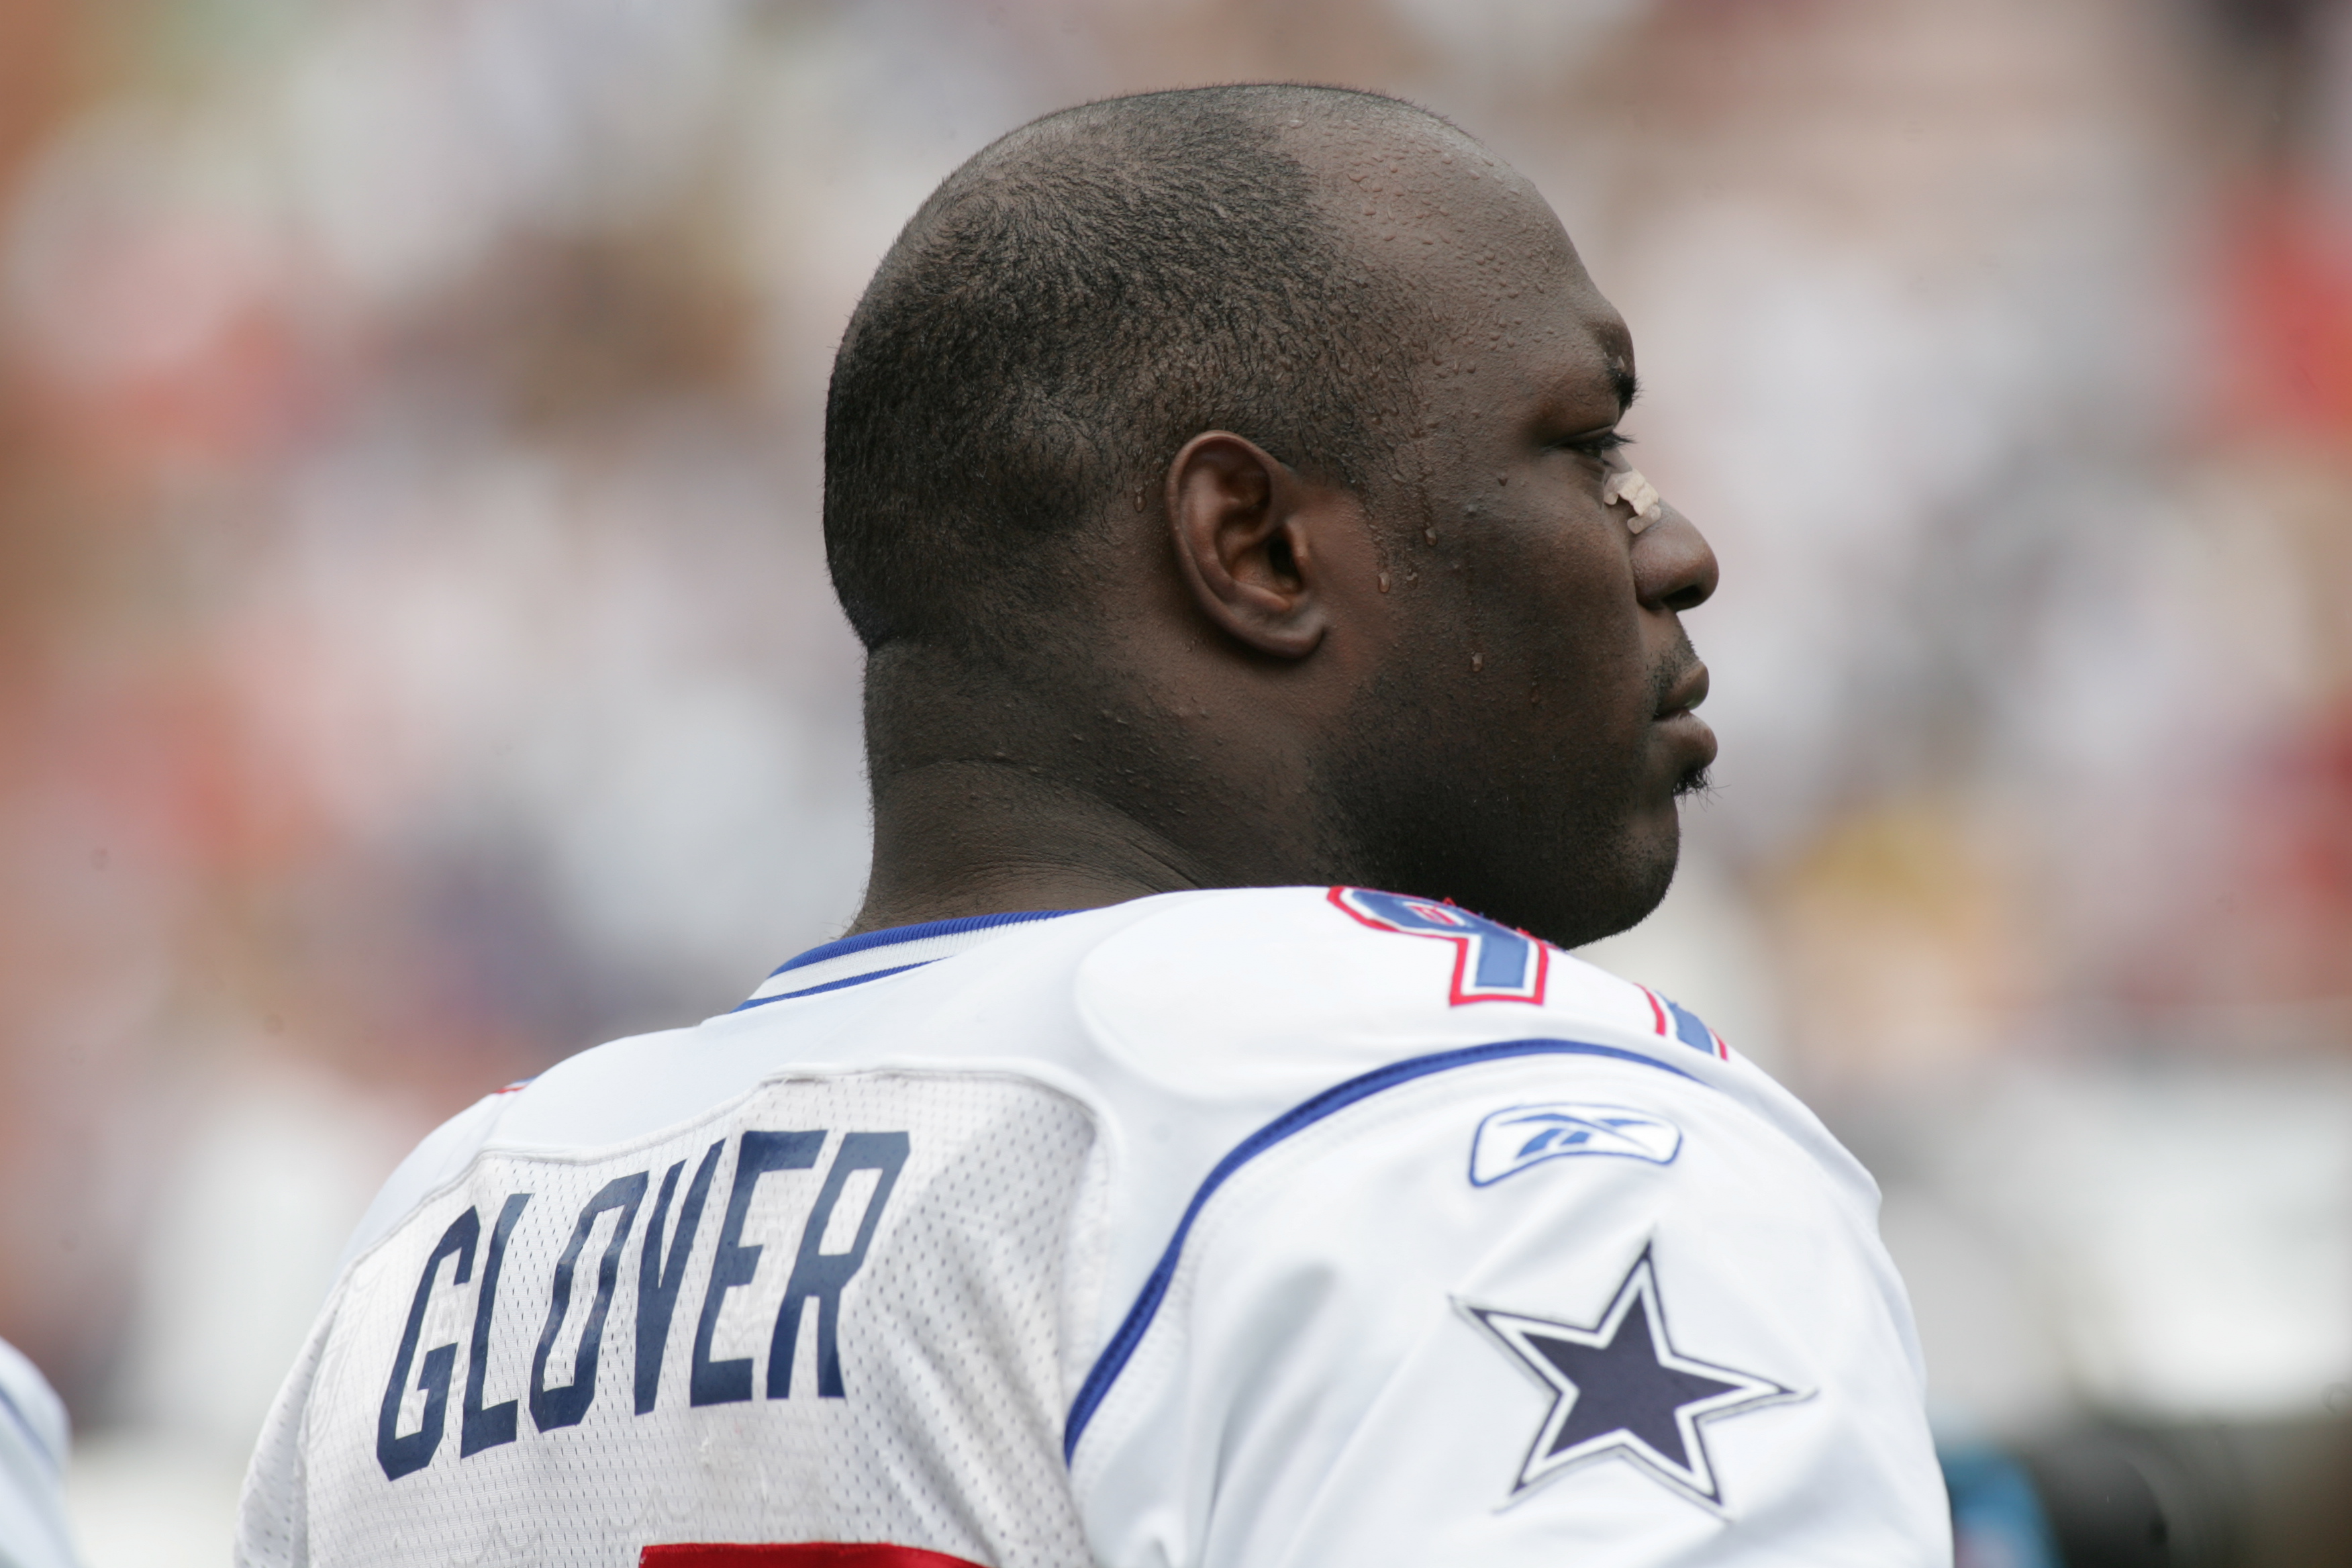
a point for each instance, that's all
(1471, 239)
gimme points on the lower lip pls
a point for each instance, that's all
(1685, 731)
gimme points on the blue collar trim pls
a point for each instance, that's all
(830, 985)
(892, 934)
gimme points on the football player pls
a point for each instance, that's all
(1201, 1150)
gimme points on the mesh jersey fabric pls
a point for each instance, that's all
(1170, 1233)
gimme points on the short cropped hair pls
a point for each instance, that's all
(1068, 309)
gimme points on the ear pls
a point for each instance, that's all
(1244, 526)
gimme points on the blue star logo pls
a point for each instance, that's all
(1621, 1389)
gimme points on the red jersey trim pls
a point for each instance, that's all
(796, 1554)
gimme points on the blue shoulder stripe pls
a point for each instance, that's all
(1298, 1118)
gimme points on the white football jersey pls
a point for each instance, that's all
(1289, 1227)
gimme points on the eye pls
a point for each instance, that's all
(1597, 446)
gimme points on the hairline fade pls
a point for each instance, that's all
(1067, 309)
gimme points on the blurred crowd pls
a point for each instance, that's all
(417, 662)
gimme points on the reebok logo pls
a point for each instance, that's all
(1509, 1142)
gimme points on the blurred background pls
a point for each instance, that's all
(417, 662)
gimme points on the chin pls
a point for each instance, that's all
(1643, 899)
(1592, 895)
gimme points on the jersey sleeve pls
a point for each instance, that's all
(1538, 1309)
(439, 1158)
(273, 1511)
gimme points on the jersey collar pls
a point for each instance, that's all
(855, 960)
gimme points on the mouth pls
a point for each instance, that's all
(1683, 695)
(1687, 735)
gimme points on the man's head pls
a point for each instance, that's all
(1231, 461)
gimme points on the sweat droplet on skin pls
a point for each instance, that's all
(1384, 582)
(1477, 662)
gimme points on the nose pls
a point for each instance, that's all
(1673, 568)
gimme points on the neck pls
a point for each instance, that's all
(1047, 782)
(957, 838)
